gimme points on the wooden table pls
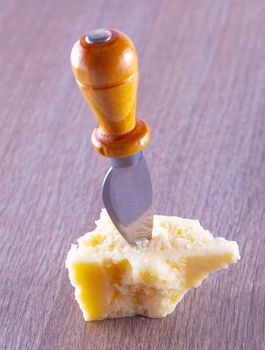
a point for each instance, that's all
(202, 88)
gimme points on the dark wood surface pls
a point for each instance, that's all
(202, 88)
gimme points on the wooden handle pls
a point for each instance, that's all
(105, 66)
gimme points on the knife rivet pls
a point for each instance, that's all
(98, 36)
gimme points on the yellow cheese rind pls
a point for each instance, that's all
(113, 279)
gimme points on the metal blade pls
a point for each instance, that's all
(127, 196)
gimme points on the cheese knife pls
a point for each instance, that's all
(105, 66)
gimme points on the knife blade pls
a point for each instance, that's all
(104, 63)
(127, 196)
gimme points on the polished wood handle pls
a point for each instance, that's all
(105, 66)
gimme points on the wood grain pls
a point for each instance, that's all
(201, 88)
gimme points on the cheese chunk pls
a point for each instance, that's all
(113, 279)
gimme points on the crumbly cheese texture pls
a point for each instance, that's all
(113, 279)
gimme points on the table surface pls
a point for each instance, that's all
(202, 88)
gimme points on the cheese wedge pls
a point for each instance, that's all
(113, 279)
